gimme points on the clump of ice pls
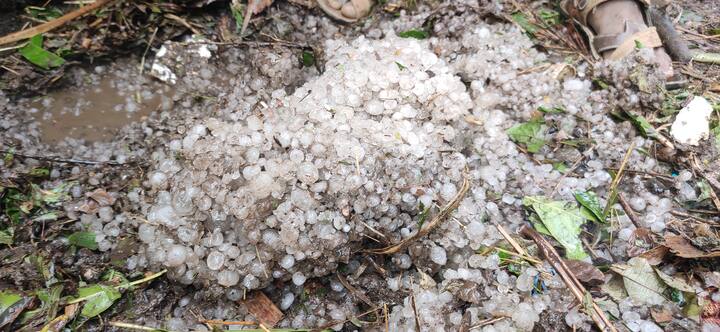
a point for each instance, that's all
(255, 198)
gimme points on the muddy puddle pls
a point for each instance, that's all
(98, 108)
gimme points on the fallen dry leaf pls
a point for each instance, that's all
(655, 255)
(682, 247)
(715, 87)
(585, 272)
(102, 197)
(89, 206)
(260, 306)
(662, 315)
(465, 290)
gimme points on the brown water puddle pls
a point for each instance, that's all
(93, 113)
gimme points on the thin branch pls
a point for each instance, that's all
(45, 27)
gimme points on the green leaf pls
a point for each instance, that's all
(308, 58)
(602, 84)
(39, 172)
(524, 23)
(591, 202)
(38, 56)
(562, 220)
(43, 13)
(9, 157)
(99, 298)
(414, 33)
(83, 239)
(560, 167)
(7, 299)
(692, 309)
(641, 281)
(59, 193)
(550, 17)
(11, 306)
(530, 134)
(237, 9)
(116, 278)
(551, 110)
(6, 236)
(642, 125)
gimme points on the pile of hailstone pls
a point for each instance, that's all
(287, 188)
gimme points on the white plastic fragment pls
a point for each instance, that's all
(163, 73)
(691, 124)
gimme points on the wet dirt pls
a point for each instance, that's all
(93, 113)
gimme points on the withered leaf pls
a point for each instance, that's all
(585, 272)
(465, 290)
(102, 197)
(683, 248)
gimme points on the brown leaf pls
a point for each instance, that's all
(465, 290)
(662, 315)
(102, 197)
(585, 272)
(715, 87)
(655, 255)
(682, 247)
(260, 306)
(89, 206)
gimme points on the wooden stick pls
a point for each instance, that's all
(439, 218)
(628, 210)
(45, 27)
(598, 316)
(673, 42)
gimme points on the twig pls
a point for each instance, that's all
(142, 61)
(133, 326)
(248, 15)
(522, 253)
(486, 322)
(578, 290)
(414, 307)
(183, 23)
(512, 241)
(333, 323)
(628, 210)
(45, 27)
(224, 322)
(68, 161)
(673, 42)
(690, 216)
(616, 182)
(354, 292)
(439, 218)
